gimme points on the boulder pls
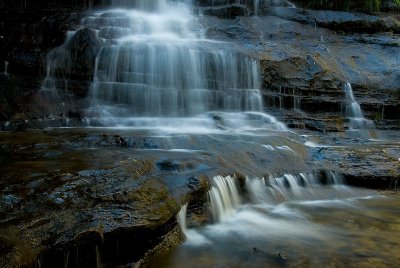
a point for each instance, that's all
(79, 58)
(228, 11)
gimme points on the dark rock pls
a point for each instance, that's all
(26, 35)
(168, 166)
(228, 12)
(282, 255)
(376, 165)
(77, 59)
(340, 21)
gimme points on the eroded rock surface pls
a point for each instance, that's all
(84, 195)
(67, 195)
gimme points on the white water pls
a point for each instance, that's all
(256, 7)
(192, 237)
(156, 63)
(268, 208)
(156, 70)
(6, 67)
(182, 218)
(224, 197)
(354, 112)
(56, 59)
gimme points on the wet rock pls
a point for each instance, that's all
(26, 37)
(75, 222)
(340, 21)
(363, 166)
(282, 255)
(121, 205)
(9, 201)
(168, 166)
(228, 12)
(82, 49)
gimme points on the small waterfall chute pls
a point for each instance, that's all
(181, 217)
(193, 237)
(224, 197)
(354, 112)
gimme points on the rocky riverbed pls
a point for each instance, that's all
(81, 197)
(71, 195)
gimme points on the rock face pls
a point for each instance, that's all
(74, 62)
(26, 36)
(72, 211)
(229, 12)
(82, 213)
(340, 21)
(82, 49)
(304, 65)
(79, 196)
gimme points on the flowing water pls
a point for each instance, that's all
(6, 68)
(354, 112)
(291, 221)
(185, 96)
(156, 63)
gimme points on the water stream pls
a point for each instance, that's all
(6, 68)
(298, 220)
(354, 112)
(155, 63)
(186, 96)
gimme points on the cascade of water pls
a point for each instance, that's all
(55, 59)
(224, 197)
(291, 4)
(192, 236)
(66, 260)
(6, 67)
(155, 63)
(354, 112)
(256, 7)
(181, 217)
(159, 66)
(289, 187)
(98, 257)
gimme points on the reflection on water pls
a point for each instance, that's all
(322, 226)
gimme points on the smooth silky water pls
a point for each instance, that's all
(159, 78)
(156, 68)
(291, 221)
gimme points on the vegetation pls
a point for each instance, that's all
(369, 6)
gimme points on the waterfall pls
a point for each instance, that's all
(181, 217)
(56, 59)
(154, 68)
(256, 7)
(354, 112)
(6, 68)
(158, 64)
(225, 198)
(192, 236)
